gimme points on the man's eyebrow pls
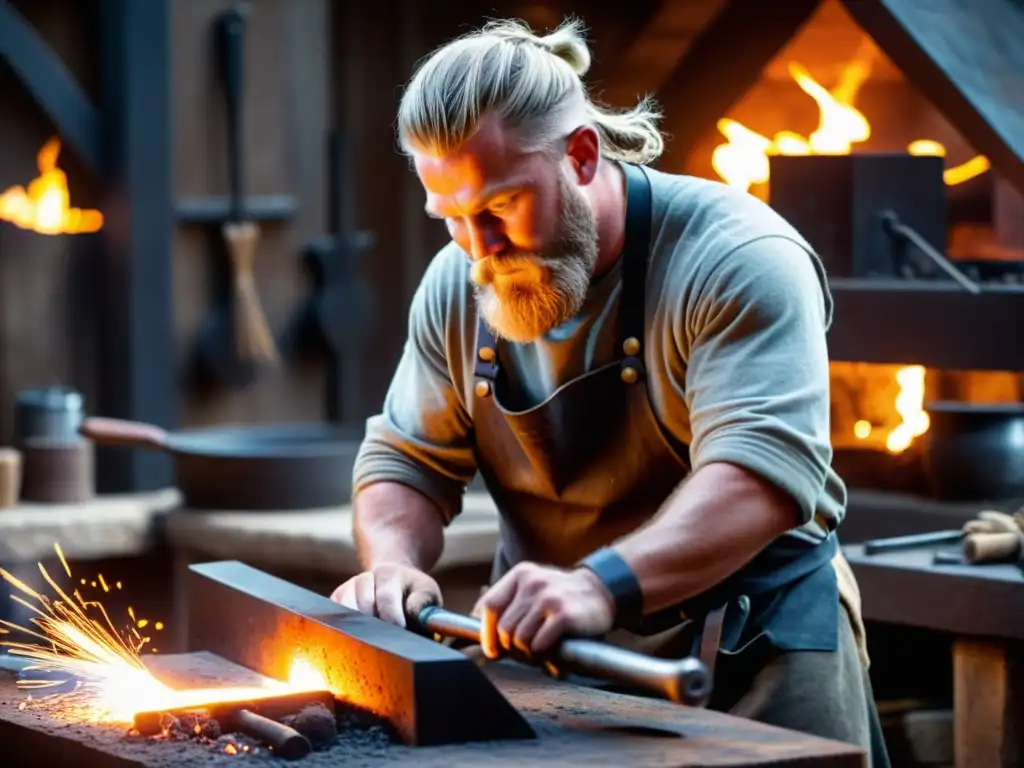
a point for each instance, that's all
(487, 195)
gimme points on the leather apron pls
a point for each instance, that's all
(591, 464)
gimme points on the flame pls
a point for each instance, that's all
(910, 407)
(958, 174)
(840, 125)
(45, 207)
(743, 160)
(76, 637)
(909, 404)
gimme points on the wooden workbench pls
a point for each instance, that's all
(103, 527)
(983, 607)
(575, 726)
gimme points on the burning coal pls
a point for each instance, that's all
(72, 638)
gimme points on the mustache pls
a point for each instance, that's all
(483, 271)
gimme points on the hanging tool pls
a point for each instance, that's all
(337, 318)
(236, 337)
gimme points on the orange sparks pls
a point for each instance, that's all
(71, 635)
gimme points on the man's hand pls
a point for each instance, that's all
(389, 592)
(532, 607)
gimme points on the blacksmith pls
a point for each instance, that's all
(635, 363)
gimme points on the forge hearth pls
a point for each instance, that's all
(753, 89)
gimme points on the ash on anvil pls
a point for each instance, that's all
(73, 638)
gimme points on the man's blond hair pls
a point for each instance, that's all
(532, 83)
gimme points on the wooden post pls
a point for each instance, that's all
(988, 685)
(1008, 219)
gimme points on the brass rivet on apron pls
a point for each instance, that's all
(629, 374)
(631, 346)
(482, 388)
(486, 354)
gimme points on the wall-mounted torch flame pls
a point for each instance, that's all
(45, 206)
(742, 162)
(76, 637)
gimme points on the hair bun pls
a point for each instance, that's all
(569, 44)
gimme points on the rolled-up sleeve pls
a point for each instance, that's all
(422, 436)
(757, 377)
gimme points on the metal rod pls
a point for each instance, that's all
(895, 227)
(684, 681)
(286, 742)
(913, 541)
(948, 558)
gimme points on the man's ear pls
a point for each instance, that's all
(583, 151)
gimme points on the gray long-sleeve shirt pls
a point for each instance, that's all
(737, 311)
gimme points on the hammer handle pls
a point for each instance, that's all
(684, 681)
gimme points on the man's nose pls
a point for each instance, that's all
(484, 241)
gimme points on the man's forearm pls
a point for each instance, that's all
(709, 528)
(393, 523)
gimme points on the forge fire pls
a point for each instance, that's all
(743, 160)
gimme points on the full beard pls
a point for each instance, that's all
(550, 286)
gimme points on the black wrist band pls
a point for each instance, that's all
(619, 579)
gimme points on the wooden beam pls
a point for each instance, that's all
(723, 62)
(138, 360)
(52, 86)
(662, 40)
(926, 322)
(988, 691)
(967, 57)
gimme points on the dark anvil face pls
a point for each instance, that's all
(427, 692)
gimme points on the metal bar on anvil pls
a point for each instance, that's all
(428, 693)
(926, 322)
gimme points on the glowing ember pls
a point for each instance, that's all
(75, 636)
(45, 207)
(743, 161)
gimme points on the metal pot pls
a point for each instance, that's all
(50, 413)
(975, 452)
(272, 467)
